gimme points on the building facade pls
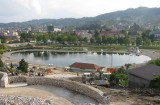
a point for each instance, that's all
(84, 67)
(141, 77)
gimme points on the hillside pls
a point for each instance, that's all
(141, 15)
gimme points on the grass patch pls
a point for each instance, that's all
(74, 47)
(150, 47)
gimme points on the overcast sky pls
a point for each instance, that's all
(24, 10)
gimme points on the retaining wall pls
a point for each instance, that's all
(4, 80)
(71, 85)
(17, 79)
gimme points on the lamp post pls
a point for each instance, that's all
(111, 61)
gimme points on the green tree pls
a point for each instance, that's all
(3, 46)
(104, 39)
(99, 39)
(155, 62)
(147, 41)
(25, 36)
(138, 41)
(119, 76)
(124, 32)
(23, 66)
(127, 66)
(110, 40)
(126, 40)
(152, 37)
(45, 38)
(39, 37)
(1, 63)
(3, 39)
(52, 36)
(2, 51)
(121, 40)
(145, 34)
(85, 39)
(11, 66)
(96, 33)
(92, 40)
(133, 43)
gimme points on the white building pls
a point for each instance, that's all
(57, 30)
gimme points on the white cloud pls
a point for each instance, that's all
(23, 10)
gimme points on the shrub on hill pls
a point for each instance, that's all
(155, 62)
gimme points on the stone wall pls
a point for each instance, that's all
(77, 79)
(71, 85)
(17, 79)
(4, 80)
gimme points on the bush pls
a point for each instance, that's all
(1, 63)
(2, 69)
(119, 76)
(2, 51)
(155, 62)
(127, 66)
(155, 83)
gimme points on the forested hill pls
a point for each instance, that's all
(141, 15)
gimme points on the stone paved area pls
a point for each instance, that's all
(17, 85)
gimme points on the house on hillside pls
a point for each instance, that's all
(141, 77)
(156, 33)
(84, 67)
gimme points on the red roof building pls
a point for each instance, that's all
(84, 67)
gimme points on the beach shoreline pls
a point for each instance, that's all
(7, 58)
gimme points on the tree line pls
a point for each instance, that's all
(71, 37)
(144, 39)
(54, 36)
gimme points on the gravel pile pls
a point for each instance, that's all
(19, 100)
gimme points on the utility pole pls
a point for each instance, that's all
(111, 60)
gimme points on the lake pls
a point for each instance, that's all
(68, 58)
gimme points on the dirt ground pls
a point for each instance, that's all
(123, 96)
(59, 96)
(33, 91)
(126, 96)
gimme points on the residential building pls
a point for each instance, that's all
(11, 36)
(133, 38)
(156, 33)
(112, 33)
(84, 33)
(141, 77)
(57, 30)
(84, 67)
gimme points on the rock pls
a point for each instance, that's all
(19, 100)
(48, 101)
